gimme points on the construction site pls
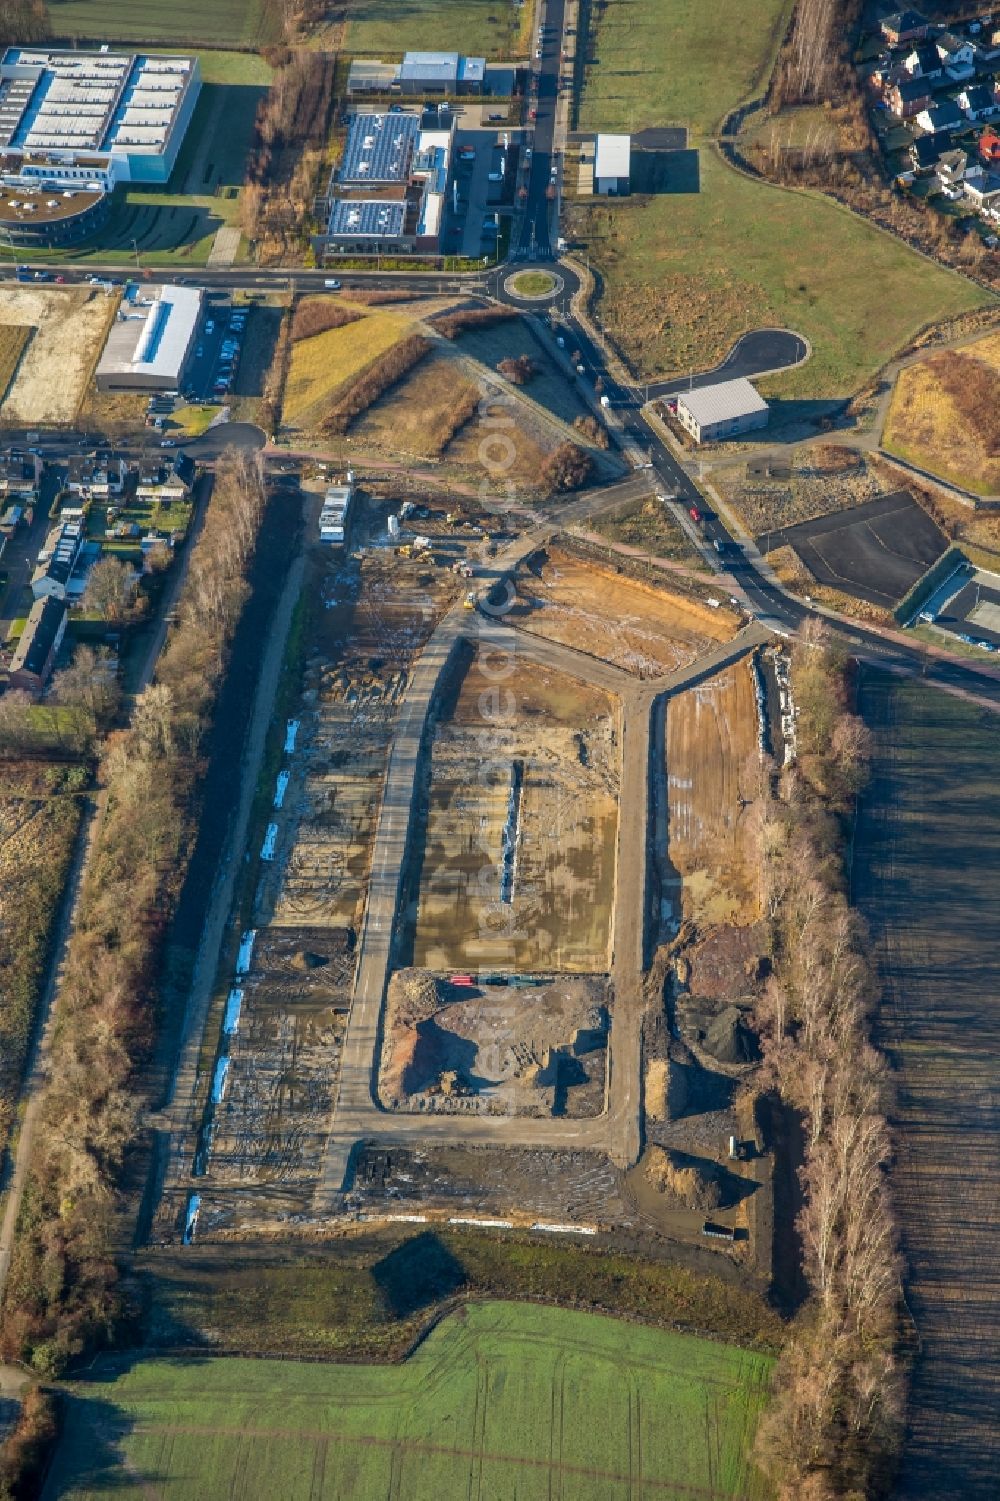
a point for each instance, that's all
(517, 866)
(497, 954)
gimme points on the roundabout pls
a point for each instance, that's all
(535, 286)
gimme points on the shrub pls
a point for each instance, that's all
(567, 468)
(317, 314)
(518, 369)
(453, 324)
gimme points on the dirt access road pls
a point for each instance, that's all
(618, 1132)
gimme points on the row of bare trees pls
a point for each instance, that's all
(23, 22)
(834, 1424)
(61, 1295)
(290, 140)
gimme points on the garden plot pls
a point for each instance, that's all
(69, 326)
(648, 632)
(713, 772)
(283, 1029)
(518, 854)
(506, 1050)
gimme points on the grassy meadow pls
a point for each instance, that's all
(687, 63)
(321, 365)
(685, 273)
(501, 1399)
(180, 23)
(490, 28)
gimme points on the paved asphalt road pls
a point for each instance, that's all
(756, 353)
(534, 239)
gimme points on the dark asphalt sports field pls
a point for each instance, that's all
(875, 551)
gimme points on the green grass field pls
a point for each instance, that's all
(502, 1400)
(181, 23)
(687, 63)
(686, 273)
(487, 28)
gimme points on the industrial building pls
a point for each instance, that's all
(150, 340)
(420, 74)
(36, 651)
(389, 192)
(721, 411)
(72, 119)
(612, 165)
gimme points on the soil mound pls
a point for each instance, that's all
(729, 1039)
(691, 1185)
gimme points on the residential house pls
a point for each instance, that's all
(909, 96)
(923, 61)
(904, 26)
(989, 146)
(982, 189)
(943, 116)
(20, 474)
(35, 653)
(96, 475)
(977, 102)
(162, 481)
(927, 151)
(958, 56)
(57, 560)
(951, 167)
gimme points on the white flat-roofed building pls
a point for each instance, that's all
(612, 165)
(72, 118)
(721, 411)
(150, 340)
(419, 74)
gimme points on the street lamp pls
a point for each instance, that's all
(135, 247)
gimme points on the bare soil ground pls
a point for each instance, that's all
(422, 414)
(70, 325)
(518, 1183)
(927, 877)
(933, 419)
(493, 1048)
(713, 772)
(544, 775)
(649, 525)
(375, 617)
(503, 447)
(271, 1125)
(367, 620)
(813, 482)
(648, 632)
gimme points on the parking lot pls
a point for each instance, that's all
(212, 368)
(875, 551)
(485, 178)
(973, 612)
